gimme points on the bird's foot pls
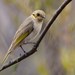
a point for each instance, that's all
(23, 50)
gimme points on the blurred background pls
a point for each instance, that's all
(56, 53)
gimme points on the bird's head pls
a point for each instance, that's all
(38, 15)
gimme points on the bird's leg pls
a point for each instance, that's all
(23, 49)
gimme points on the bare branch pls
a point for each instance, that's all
(34, 49)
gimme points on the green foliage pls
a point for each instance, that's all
(36, 4)
(68, 61)
(48, 3)
(42, 69)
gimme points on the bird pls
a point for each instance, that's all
(27, 31)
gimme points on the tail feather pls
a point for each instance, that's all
(6, 56)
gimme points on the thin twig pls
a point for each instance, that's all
(34, 49)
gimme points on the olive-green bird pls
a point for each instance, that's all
(27, 31)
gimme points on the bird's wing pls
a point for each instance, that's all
(24, 30)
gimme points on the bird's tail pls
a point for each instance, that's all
(6, 56)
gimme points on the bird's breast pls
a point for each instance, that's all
(37, 27)
(35, 32)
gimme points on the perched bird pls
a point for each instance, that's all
(31, 26)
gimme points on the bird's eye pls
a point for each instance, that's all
(38, 14)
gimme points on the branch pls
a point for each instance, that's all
(34, 49)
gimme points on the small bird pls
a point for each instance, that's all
(30, 27)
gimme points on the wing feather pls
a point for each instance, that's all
(24, 30)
